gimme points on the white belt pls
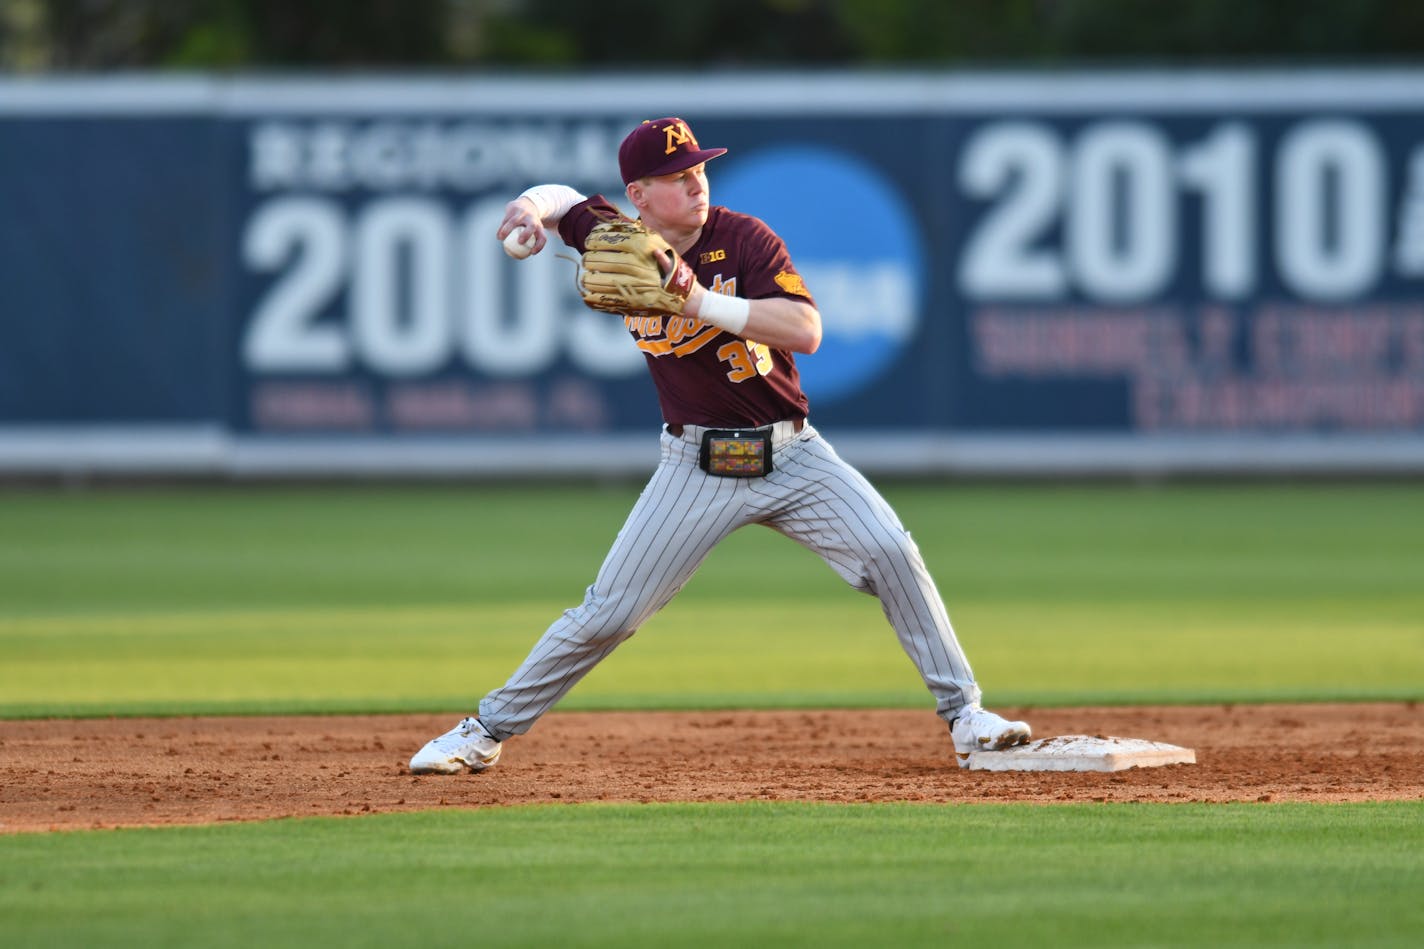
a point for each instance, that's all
(781, 432)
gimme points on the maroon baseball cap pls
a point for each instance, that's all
(661, 147)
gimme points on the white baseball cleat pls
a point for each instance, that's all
(977, 729)
(467, 745)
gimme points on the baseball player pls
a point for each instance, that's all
(713, 300)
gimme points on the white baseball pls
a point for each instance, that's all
(516, 248)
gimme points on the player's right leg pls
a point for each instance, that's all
(466, 746)
(680, 516)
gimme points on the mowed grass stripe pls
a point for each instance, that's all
(821, 655)
(109, 551)
(756, 874)
(270, 600)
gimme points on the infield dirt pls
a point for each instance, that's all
(87, 773)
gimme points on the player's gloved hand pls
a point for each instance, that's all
(627, 267)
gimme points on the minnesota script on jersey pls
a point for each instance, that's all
(704, 375)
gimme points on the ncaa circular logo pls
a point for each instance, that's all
(869, 291)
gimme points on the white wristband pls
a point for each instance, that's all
(725, 312)
(552, 202)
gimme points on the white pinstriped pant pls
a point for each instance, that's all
(811, 496)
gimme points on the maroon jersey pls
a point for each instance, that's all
(705, 375)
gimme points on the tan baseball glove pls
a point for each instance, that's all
(627, 267)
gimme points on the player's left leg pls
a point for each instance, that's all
(826, 505)
(829, 507)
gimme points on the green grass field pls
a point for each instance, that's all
(728, 875)
(357, 599)
(323, 600)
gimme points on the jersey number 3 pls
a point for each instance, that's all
(747, 359)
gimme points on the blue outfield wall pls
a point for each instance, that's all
(1028, 273)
